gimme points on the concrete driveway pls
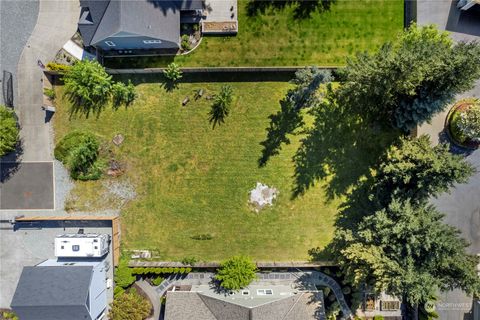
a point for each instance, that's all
(17, 20)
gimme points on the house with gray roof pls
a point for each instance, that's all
(62, 289)
(256, 302)
(133, 26)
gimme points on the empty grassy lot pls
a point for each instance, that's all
(277, 38)
(193, 180)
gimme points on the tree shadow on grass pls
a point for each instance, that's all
(340, 147)
(302, 8)
(284, 122)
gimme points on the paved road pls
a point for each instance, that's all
(17, 20)
(462, 205)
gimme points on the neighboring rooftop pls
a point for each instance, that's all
(158, 19)
(202, 302)
(48, 290)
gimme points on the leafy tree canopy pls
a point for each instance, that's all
(411, 79)
(406, 250)
(8, 131)
(130, 306)
(236, 273)
(90, 88)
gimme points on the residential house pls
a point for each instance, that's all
(62, 289)
(133, 26)
(265, 302)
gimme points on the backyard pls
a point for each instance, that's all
(277, 38)
(192, 181)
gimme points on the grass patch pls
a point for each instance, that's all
(277, 38)
(192, 182)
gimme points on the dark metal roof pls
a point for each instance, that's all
(53, 293)
(159, 19)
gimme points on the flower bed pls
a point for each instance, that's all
(463, 123)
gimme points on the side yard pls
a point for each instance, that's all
(278, 38)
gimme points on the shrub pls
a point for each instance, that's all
(188, 270)
(69, 142)
(8, 131)
(157, 281)
(469, 123)
(123, 94)
(88, 86)
(189, 261)
(378, 317)
(206, 236)
(79, 152)
(53, 66)
(185, 44)
(82, 161)
(118, 290)
(221, 105)
(236, 273)
(50, 93)
(123, 275)
(172, 72)
(130, 305)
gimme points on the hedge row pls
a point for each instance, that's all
(141, 271)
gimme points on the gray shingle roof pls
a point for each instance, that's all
(53, 293)
(183, 305)
(158, 19)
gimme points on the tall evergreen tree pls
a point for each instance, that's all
(411, 79)
(406, 250)
(413, 169)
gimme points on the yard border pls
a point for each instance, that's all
(210, 265)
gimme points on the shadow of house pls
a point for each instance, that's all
(464, 21)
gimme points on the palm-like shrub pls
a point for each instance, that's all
(173, 72)
(236, 273)
(8, 131)
(221, 106)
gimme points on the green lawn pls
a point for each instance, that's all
(276, 38)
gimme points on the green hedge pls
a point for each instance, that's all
(157, 271)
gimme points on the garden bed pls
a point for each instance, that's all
(452, 128)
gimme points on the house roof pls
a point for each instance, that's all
(158, 19)
(59, 291)
(192, 305)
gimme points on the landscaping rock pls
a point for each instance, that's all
(118, 139)
(115, 169)
(262, 196)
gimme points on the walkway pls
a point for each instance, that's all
(152, 295)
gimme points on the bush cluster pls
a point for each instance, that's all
(8, 130)
(79, 151)
(158, 271)
(53, 66)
